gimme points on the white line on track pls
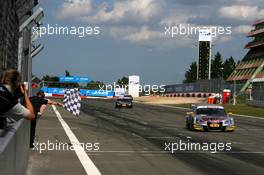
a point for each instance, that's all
(86, 162)
(165, 137)
(180, 152)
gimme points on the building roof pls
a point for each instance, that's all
(260, 21)
(255, 32)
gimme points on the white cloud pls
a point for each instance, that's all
(223, 39)
(74, 8)
(242, 29)
(144, 34)
(146, 8)
(121, 32)
(175, 18)
(237, 31)
(182, 15)
(241, 12)
(110, 12)
(143, 21)
(134, 34)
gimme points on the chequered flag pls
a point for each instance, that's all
(72, 101)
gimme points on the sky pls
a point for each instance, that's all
(132, 38)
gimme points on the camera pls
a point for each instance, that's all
(18, 93)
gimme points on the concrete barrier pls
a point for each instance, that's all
(14, 148)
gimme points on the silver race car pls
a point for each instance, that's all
(125, 101)
(209, 117)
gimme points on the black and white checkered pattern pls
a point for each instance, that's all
(72, 101)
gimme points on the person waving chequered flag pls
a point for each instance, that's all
(72, 101)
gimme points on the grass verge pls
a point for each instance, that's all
(241, 109)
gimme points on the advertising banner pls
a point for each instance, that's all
(83, 92)
(97, 93)
(74, 79)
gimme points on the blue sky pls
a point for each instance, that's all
(130, 39)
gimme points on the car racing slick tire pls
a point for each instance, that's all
(191, 126)
(205, 129)
(187, 125)
(223, 128)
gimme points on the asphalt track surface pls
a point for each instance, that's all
(133, 142)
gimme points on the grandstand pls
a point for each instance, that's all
(252, 65)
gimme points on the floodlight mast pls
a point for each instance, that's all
(25, 47)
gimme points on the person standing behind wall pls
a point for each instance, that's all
(39, 104)
(11, 89)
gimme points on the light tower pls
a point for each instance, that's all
(204, 54)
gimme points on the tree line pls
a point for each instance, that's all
(219, 69)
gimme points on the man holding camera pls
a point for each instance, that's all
(11, 89)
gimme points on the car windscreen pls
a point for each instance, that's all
(210, 111)
(128, 96)
(125, 100)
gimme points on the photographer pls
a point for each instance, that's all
(11, 90)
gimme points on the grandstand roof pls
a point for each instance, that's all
(253, 33)
(254, 44)
(260, 21)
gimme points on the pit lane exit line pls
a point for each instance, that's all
(86, 162)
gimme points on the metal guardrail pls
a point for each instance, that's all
(256, 103)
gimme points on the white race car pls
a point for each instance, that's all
(209, 117)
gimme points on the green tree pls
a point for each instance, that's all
(54, 81)
(95, 85)
(229, 66)
(123, 81)
(49, 78)
(216, 66)
(191, 74)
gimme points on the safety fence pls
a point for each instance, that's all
(257, 95)
(203, 86)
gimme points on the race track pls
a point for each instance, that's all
(133, 141)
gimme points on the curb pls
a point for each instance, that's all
(191, 94)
